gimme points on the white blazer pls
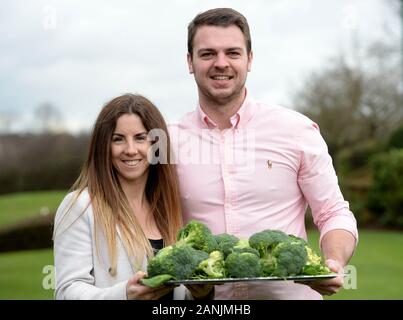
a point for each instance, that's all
(80, 272)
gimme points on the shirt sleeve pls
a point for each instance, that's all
(318, 182)
(73, 256)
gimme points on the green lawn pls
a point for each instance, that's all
(17, 206)
(378, 261)
(22, 275)
(379, 264)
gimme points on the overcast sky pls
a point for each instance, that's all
(77, 55)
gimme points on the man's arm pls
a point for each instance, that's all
(338, 245)
(331, 213)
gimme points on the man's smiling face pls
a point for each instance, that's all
(220, 63)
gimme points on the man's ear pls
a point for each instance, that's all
(190, 63)
(250, 58)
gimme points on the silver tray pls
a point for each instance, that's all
(226, 280)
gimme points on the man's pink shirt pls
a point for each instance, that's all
(259, 174)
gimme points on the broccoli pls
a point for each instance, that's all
(225, 243)
(287, 258)
(295, 238)
(243, 265)
(243, 246)
(178, 260)
(228, 243)
(198, 254)
(156, 281)
(198, 235)
(212, 267)
(281, 255)
(314, 265)
(265, 241)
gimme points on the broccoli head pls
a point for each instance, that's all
(281, 255)
(225, 243)
(212, 267)
(197, 235)
(297, 239)
(287, 259)
(314, 264)
(243, 265)
(178, 260)
(265, 241)
(243, 246)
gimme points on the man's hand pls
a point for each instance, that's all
(331, 286)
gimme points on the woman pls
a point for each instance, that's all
(121, 209)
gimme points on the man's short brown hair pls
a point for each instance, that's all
(221, 17)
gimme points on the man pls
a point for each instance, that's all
(245, 167)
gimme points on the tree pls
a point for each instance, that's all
(331, 98)
(352, 104)
(48, 118)
(357, 97)
(7, 120)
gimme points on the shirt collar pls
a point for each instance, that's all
(238, 120)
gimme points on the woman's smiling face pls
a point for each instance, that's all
(129, 147)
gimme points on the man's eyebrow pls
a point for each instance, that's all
(205, 49)
(214, 50)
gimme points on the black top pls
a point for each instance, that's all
(158, 245)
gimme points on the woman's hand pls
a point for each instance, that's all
(201, 291)
(137, 291)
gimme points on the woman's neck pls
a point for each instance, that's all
(135, 193)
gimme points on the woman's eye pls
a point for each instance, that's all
(141, 138)
(117, 139)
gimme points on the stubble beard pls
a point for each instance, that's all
(219, 99)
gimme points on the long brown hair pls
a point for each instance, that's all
(110, 206)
